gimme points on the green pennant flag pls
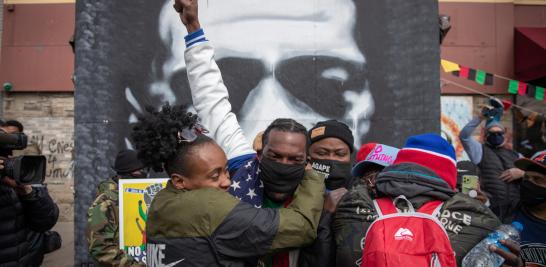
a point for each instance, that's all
(539, 95)
(513, 87)
(480, 77)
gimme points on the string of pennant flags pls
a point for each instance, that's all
(507, 103)
(485, 78)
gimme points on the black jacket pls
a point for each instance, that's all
(466, 220)
(21, 218)
(503, 196)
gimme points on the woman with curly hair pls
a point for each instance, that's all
(194, 221)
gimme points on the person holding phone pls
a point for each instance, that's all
(500, 179)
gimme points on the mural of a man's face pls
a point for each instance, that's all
(279, 59)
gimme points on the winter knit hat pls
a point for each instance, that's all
(431, 151)
(127, 162)
(332, 128)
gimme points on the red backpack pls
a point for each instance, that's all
(407, 239)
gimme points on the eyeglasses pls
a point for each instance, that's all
(190, 134)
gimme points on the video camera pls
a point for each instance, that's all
(24, 169)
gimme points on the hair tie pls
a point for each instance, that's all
(190, 134)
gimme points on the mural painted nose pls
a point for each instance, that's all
(269, 101)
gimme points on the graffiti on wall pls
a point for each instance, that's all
(456, 113)
(313, 71)
(59, 155)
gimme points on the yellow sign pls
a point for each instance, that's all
(135, 197)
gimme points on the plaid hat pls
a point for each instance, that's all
(127, 162)
(332, 128)
(537, 162)
(373, 154)
(431, 151)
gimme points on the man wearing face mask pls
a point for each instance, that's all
(532, 209)
(330, 152)
(102, 216)
(499, 177)
(330, 155)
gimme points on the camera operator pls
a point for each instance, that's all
(9, 127)
(26, 213)
(12, 126)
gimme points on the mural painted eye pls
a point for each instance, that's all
(319, 81)
(240, 75)
(336, 73)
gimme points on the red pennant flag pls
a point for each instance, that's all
(522, 88)
(506, 104)
(463, 73)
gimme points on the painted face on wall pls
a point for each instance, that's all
(279, 59)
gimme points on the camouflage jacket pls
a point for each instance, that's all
(103, 228)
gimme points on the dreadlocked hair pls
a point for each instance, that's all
(285, 125)
(156, 138)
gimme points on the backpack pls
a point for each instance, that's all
(413, 238)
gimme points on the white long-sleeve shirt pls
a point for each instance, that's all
(211, 99)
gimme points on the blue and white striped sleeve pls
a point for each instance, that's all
(195, 38)
(211, 99)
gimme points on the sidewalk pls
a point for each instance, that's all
(63, 257)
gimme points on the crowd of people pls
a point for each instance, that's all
(296, 197)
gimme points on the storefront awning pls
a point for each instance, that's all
(530, 53)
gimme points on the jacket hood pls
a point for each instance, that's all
(412, 180)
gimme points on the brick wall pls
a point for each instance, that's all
(48, 119)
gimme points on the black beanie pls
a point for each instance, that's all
(332, 128)
(127, 162)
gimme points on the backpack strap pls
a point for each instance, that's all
(432, 207)
(384, 206)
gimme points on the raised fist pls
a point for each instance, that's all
(188, 10)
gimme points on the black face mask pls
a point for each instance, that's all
(495, 139)
(280, 178)
(532, 194)
(336, 173)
